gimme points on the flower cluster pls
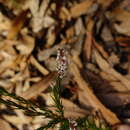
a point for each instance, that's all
(73, 124)
(62, 62)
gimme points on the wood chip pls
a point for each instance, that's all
(101, 49)
(107, 76)
(15, 120)
(88, 46)
(4, 125)
(17, 25)
(51, 37)
(104, 66)
(123, 17)
(26, 45)
(123, 127)
(115, 99)
(110, 117)
(65, 14)
(38, 20)
(77, 60)
(39, 87)
(118, 86)
(89, 40)
(81, 8)
(72, 110)
(105, 3)
(34, 62)
(5, 23)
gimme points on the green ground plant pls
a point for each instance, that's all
(56, 118)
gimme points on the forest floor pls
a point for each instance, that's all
(96, 36)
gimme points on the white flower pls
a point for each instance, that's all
(62, 62)
(73, 124)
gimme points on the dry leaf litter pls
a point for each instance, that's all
(96, 36)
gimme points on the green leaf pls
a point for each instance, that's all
(64, 125)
